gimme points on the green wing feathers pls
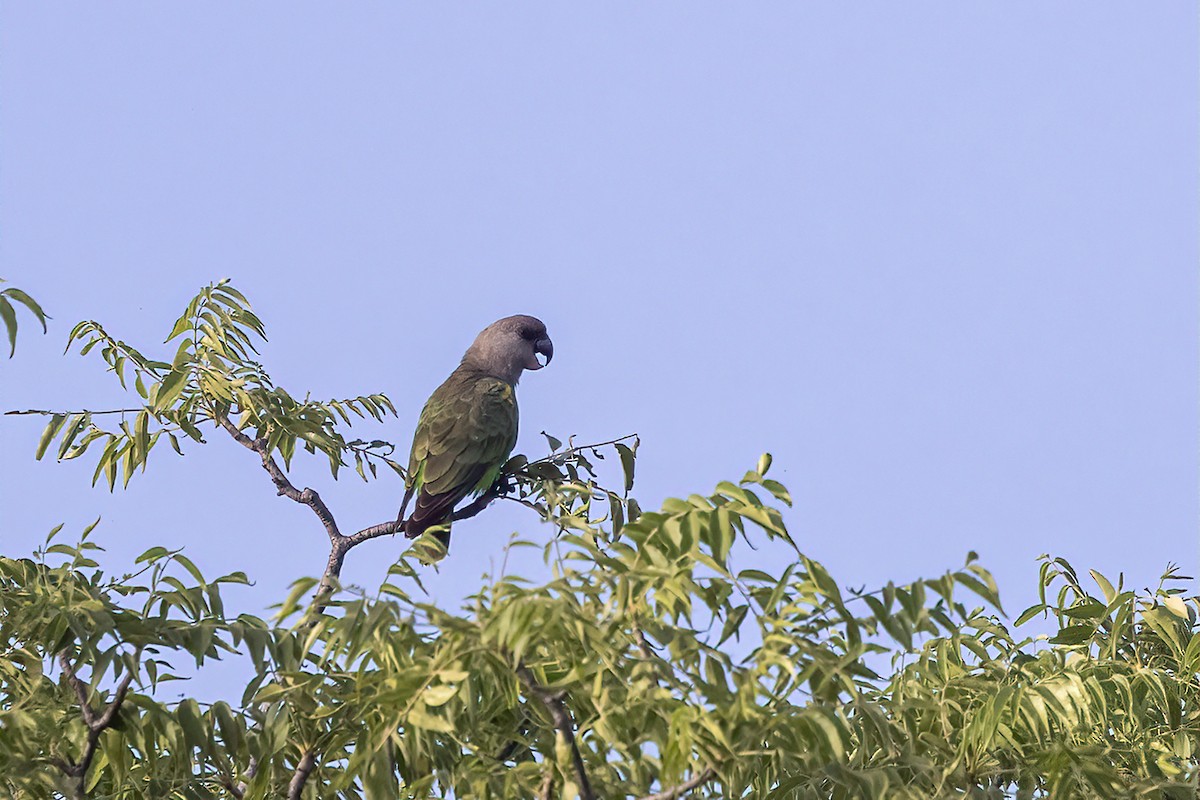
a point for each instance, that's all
(464, 435)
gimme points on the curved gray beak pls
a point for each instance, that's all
(546, 348)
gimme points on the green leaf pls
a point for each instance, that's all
(628, 462)
(420, 717)
(30, 303)
(438, 695)
(1073, 634)
(187, 564)
(48, 434)
(153, 554)
(1105, 586)
(1029, 614)
(1086, 609)
(10, 322)
(142, 436)
(733, 623)
(171, 387)
(78, 423)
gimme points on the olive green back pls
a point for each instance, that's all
(464, 435)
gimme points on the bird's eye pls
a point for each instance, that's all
(528, 333)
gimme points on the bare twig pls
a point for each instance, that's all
(574, 448)
(675, 792)
(96, 725)
(307, 762)
(308, 497)
(547, 790)
(45, 413)
(522, 501)
(339, 543)
(553, 700)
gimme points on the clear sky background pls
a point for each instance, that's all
(940, 258)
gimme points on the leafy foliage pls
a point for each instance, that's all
(211, 376)
(647, 664)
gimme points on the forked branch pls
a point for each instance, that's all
(554, 701)
(96, 725)
(679, 790)
(339, 544)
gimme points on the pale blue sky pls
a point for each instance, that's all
(939, 258)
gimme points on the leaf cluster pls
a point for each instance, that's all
(647, 665)
(212, 375)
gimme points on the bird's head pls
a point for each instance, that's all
(509, 346)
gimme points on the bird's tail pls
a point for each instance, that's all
(414, 526)
(430, 510)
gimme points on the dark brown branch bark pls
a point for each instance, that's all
(307, 762)
(339, 544)
(95, 725)
(308, 497)
(81, 693)
(680, 790)
(553, 700)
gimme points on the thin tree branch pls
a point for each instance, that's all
(547, 790)
(308, 497)
(46, 413)
(680, 790)
(553, 700)
(395, 526)
(521, 501)
(574, 448)
(95, 725)
(307, 762)
(81, 692)
(340, 544)
(373, 532)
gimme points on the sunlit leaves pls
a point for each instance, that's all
(211, 375)
(636, 631)
(673, 657)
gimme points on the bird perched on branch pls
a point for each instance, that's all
(469, 424)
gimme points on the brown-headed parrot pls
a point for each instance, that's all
(469, 424)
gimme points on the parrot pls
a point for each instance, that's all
(468, 427)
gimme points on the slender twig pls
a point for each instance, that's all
(238, 790)
(307, 762)
(566, 454)
(44, 413)
(547, 790)
(96, 725)
(681, 789)
(522, 501)
(308, 497)
(339, 544)
(553, 700)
